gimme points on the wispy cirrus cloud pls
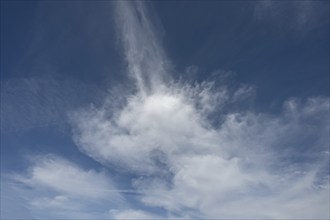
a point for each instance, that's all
(145, 57)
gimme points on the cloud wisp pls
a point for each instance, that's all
(144, 55)
(55, 188)
(164, 140)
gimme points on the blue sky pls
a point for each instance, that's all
(164, 109)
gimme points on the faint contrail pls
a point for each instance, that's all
(143, 53)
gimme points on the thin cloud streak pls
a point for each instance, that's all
(145, 57)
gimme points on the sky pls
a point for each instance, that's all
(165, 109)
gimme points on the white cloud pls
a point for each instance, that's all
(143, 128)
(132, 214)
(50, 172)
(145, 57)
(250, 165)
(196, 166)
(56, 188)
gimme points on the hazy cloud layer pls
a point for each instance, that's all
(300, 16)
(42, 102)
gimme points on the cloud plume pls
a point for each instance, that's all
(146, 60)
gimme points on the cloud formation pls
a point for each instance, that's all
(164, 139)
(188, 166)
(184, 163)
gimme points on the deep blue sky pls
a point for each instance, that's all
(73, 39)
(273, 53)
(60, 56)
